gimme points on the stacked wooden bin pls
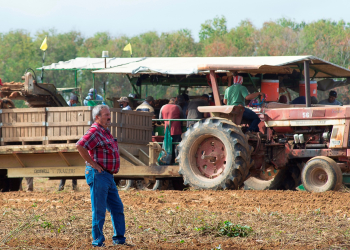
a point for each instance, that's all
(35, 126)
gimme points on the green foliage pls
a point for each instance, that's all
(19, 50)
(46, 224)
(213, 29)
(231, 230)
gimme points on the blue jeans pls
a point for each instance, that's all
(104, 195)
(254, 119)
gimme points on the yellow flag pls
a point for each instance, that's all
(128, 48)
(43, 46)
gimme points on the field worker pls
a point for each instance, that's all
(302, 100)
(124, 103)
(237, 94)
(90, 97)
(100, 151)
(147, 105)
(30, 186)
(73, 100)
(331, 99)
(172, 111)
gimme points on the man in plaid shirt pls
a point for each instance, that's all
(98, 148)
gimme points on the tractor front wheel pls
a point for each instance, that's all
(321, 174)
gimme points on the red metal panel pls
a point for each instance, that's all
(307, 113)
(215, 88)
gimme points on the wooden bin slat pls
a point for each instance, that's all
(19, 125)
(59, 124)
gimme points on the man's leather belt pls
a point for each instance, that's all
(110, 172)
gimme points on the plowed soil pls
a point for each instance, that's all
(171, 219)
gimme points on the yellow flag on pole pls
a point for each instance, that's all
(43, 46)
(128, 48)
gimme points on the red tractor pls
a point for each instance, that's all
(297, 143)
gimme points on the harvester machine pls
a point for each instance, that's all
(35, 94)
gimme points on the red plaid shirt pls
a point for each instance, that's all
(102, 147)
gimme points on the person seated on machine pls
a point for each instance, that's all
(237, 94)
(302, 100)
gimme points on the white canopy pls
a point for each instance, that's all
(90, 63)
(258, 64)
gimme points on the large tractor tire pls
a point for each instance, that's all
(267, 180)
(321, 174)
(214, 153)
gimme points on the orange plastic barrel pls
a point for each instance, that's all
(313, 88)
(271, 89)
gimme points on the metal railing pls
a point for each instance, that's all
(173, 120)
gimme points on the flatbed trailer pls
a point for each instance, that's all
(40, 142)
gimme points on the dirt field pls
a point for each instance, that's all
(46, 219)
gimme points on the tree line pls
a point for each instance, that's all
(19, 50)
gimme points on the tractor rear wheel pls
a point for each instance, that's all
(214, 153)
(321, 174)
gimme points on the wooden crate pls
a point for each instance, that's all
(131, 126)
(23, 126)
(67, 124)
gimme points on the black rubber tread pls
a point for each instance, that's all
(333, 171)
(129, 184)
(276, 183)
(238, 162)
(140, 184)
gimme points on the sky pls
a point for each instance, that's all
(133, 17)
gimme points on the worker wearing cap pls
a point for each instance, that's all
(90, 97)
(331, 99)
(124, 103)
(147, 105)
(73, 100)
(237, 94)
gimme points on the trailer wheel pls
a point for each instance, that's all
(15, 183)
(9, 184)
(266, 180)
(149, 186)
(124, 184)
(214, 153)
(321, 174)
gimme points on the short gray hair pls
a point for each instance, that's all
(97, 110)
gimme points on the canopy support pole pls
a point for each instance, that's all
(307, 83)
(93, 85)
(215, 88)
(76, 78)
(252, 81)
(133, 85)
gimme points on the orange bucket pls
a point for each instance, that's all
(271, 89)
(313, 88)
